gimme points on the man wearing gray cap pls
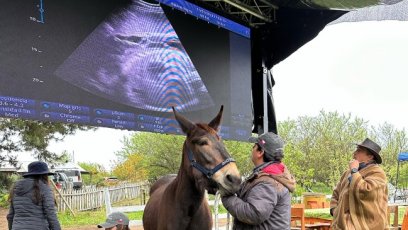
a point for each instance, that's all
(360, 199)
(116, 221)
(264, 200)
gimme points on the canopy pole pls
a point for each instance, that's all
(396, 181)
(265, 97)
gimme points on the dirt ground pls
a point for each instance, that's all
(3, 220)
(94, 227)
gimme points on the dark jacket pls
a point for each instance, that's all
(25, 214)
(264, 200)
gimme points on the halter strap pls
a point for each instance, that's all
(208, 172)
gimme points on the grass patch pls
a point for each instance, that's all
(95, 217)
(221, 209)
(130, 202)
(90, 218)
(325, 213)
(82, 218)
(318, 213)
(321, 188)
(135, 215)
(98, 216)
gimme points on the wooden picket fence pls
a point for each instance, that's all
(90, 198)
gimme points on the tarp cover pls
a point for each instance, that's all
(398, 11)
(331, 4)
(403, 156)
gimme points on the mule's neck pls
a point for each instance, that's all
(185, 185)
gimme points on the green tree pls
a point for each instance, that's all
(317, 151)
(161, 153)
(96, 173)
(321, 145)
(319, 148)
(393, 142)
(241, 152)
(132, 169)
(26, 135)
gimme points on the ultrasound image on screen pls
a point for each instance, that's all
(123, 64)
(140, 62)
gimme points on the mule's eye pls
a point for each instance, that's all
(201, 143)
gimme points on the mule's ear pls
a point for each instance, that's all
(184, 123)
(215, 123)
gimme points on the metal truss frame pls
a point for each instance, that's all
(253, 12)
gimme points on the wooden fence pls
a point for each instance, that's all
(90, 198)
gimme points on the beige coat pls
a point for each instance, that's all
(362, 203)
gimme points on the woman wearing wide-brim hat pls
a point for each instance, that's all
(32, 203)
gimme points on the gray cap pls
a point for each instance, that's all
(114, 219)
(270, 143)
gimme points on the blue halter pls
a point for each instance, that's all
(208, 172)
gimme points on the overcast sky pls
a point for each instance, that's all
(359, 68)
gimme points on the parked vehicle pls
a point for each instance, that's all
(395, 194)
(73, 175)
(61, 180)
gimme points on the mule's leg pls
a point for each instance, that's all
(154, 206)
(202, 220)
(150, 216)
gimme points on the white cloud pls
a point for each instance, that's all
(93, 146)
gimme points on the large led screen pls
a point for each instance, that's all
(123, 64)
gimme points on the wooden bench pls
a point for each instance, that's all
(297, 218)
(393, 209)
(314, 223)
(318, 226)
(300, 222)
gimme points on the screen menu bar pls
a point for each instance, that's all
(14, 107)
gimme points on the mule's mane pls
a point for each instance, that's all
(208, 129)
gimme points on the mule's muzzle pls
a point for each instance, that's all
(233, 181)
(212, 187)
(231, 184)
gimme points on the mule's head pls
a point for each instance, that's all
(205, 157)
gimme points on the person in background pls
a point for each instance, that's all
(32, 202)
(264, 200)
(359, 200)
(116, 221)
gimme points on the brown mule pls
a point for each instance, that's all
(177, 201)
